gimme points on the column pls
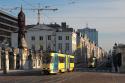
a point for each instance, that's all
(7, 58)
(23, 58)
(6, 61)
(0, 57)
(14, 57)
(20, 58)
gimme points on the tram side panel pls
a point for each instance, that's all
(61, 66)
(56, 62)
(71, 60)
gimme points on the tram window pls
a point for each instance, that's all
(61, 59)
(71, 60)
(52, 59)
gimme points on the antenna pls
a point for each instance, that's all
(21, 7)
(38, 14)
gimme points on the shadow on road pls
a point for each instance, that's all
(22, 73)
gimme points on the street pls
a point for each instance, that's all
(68, 77)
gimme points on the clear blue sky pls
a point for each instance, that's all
(107, 16)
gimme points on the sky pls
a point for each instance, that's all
(107, 16)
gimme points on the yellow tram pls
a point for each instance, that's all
(57, 62)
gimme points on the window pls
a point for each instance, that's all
(71, 60)
(67, 46)
(60, 38)
(41, 38)
(60, 46)
(61, 59)
(67, 37)
(33, 38)
(49, 37)
(56, 58)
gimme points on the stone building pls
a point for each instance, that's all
(92, 34)
(8, 24)
(87, 51)
(49, 37)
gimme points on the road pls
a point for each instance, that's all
(69, 77)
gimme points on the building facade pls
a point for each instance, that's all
(66, 42)
(8, 24)
(46, 38)
(87, 51)
(92, 34)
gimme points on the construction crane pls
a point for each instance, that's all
(39, 9)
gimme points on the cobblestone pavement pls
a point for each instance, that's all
(69, 77)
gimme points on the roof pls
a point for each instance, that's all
(121, 45)
(49, 27)
(39, 27)
(3, 12)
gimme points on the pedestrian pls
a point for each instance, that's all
(115, 62)
(119, 56)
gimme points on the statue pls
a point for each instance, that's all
(22, 44)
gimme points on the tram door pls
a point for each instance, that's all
(55, 65)
(68, 63)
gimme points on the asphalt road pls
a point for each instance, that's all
(69, 77)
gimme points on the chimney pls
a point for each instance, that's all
(63, 24)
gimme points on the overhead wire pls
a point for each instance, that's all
(28, 3)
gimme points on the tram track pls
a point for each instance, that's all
(63, 78)
(58, 78)
(46, 78)
(67, 77)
